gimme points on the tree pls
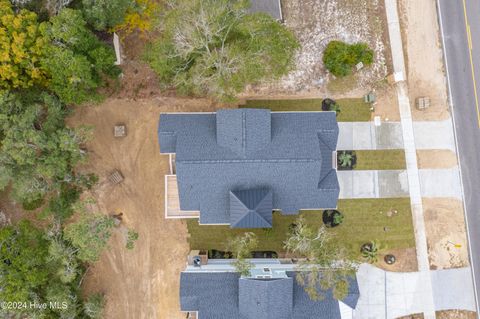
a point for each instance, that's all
(23, 253)
(90, 235)
(76, 60)
(215, 48)
(106, 14)
(37, 151)
(340, 57)
(241, 248)
(22, 46)
(325, 265)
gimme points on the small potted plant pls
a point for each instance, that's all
(330, 105)
(370, 251)
(346, 160)
(332, 218)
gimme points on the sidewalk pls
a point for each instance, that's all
(410, 155)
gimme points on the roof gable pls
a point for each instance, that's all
(265, 298)
(243, 131)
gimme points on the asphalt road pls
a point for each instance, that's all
(460, 28)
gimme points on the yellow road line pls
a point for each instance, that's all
(470, 47)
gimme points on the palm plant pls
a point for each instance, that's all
(370, 251)
(345, 159)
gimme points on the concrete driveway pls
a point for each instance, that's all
(388, 295)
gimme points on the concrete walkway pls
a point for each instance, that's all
(410, 156)
(391, 295)
(367, 136)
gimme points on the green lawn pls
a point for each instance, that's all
(365, 220)
(380, 159)
(351, 110)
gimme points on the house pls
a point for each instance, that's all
(214, 290)
(236, 166)
(270, 7)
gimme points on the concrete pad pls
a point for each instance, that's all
(440, 182)
(363, 136)
(386, 294)
(453, 289)
(393, 184)
(389, 135)
(367, 136)
(434, 135)
(373, 184)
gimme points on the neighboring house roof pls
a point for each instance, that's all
(270, 7)
(226, 295)
(288, 153)
(265, 298)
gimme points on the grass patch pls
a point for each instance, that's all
(380, 159)
(365, 220)
(351, 110)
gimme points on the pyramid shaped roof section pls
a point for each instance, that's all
(251, 208)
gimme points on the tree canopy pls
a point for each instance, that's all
(36, 149)
(241, 248)
(90, 235)
(22, 46)
(42, 267)
(216, 48)
(106, 14)
(62, 54)
(325, 265)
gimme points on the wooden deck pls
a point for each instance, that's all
(172, 202)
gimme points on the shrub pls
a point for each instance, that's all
(340, 57)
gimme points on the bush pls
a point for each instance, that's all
(340, 57)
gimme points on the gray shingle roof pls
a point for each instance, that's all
(265, 298)
(270, 7)
(251, 208)
(220, 294)
(233, 150)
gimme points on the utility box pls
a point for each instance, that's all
(422, 103)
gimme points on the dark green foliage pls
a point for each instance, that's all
(340, 57)
(36, 149)
(33, 204)
(76, 60)
(60, 205)
(105, 14)
(216, 48)
(43, 268)
(23, 254)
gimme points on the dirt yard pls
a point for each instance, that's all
(436, 159)
(406, 260)
(142, 283)
(446, 236)
(424, 58)
(323, 21)
(456, 314)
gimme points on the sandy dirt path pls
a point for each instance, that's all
(424, 58)
(142, 283)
